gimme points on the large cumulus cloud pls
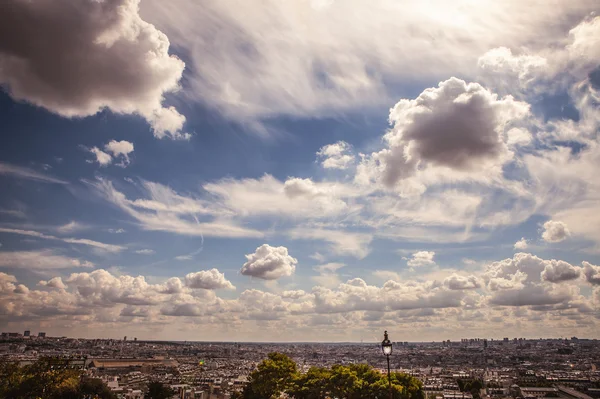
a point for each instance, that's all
(527, 280)
(555, 231)
(269, 263)
(592, 273)
(208, 279)
(516, 289)
(457, 125)
(75, 58)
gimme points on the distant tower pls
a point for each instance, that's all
(27, 333)
(135, 338)
(125, 338)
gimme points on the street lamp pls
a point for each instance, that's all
(386, 347)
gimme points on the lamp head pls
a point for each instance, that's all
(386, 345)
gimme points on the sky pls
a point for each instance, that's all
(306, 170)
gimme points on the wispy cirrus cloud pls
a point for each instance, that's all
(27, 173)
(336, 67)
(40, 260)
(78, 241)
(165, 210)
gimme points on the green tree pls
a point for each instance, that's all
(42, 379)
(473, 386)
(314, 384)
(96, 388)
(278, 374)
(158, 390)
(48, 378)
(273, 376)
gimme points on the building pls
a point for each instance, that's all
(538, 392)
(457, 395)
(42, 334)
(27, 333)
(572, 393)
(131, 364)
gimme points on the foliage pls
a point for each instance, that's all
(158, 390)
(48, 379)
(473, 386)
(277, 375)
(95, 388)
(272, 377)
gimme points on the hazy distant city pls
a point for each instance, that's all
(510, 367)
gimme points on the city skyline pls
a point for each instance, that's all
(310, 171)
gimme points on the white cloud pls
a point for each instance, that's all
(40, 260)
(356, 295)
(339, 56)
(328, 276)
(145, 251)
(555, 231)
(269, 263)
(26, 173)
(528, 280)
(592, 273)
(208, 279)
(79, 241)
(7, 283)
(102, 158)
(70, 227)
(116, 231)
(319, 257)
(449, 208)
(17, 213)
(421, 258)
(102, 288)
(118, 61)
(457, 126)
(507, 71)
(386, 275)
(120, 149)
(329, 267)
(533, 296)
(457, 282)
(83, 299)
(173, 285)
(166, 210)
(295, 187)
(521, 244)
(336, 156)
(191, 255)
(293, 199)
(341, 242)
(54, 282)
(558, 271)
(518, 137)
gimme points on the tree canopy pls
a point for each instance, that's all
(278, 374)
(158, 390)
(48, 379)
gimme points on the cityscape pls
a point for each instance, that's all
(506, 368)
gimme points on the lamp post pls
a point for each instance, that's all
(386, 347)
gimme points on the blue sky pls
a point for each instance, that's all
(275, 173)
